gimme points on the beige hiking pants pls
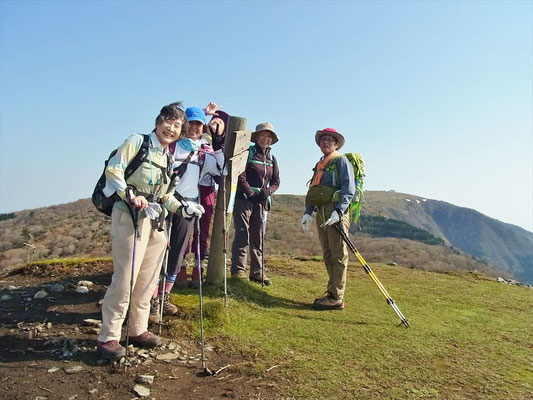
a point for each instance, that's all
(148, 258)
(334, 249)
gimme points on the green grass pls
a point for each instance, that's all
(471, 338)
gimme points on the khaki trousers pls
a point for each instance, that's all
(334, 249)
(148, 258)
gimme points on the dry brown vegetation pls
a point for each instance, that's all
(78, 229)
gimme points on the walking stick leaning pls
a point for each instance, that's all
(374, 278)
(206, 370)
(164, 280)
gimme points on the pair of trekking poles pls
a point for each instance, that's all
(135, 219)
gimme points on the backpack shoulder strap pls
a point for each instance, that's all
(251, 154)
(139, 158)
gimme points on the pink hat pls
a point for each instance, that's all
(330, 132)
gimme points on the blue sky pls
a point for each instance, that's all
(436, 95)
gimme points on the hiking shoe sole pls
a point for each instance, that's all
(322, 307)
(266, 281)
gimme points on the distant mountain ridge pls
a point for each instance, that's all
(488, 245)
(506, 246)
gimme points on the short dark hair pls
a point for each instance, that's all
(171, 112)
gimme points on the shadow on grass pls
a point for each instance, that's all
(245, 291)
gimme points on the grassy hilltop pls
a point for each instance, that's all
(471, 337)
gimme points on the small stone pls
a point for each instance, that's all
(77, 330)
(92, 322)
(53, 369)
(141, 391)
(501, 280)
(145, 379)
(73, 370)
(41, 294)
(85, 283)
(183, 358)
(57, 288)
(167, 356)
(173, 346)
(40, 398)
(93, 391)
(48, 325)
(11, 287)
(5, 297)
(73, 397)
(82, 289)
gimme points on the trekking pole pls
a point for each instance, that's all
(135, 219)
(367, 269)
(206, 370)
(262, 246)
(165, 267)
(224, 246)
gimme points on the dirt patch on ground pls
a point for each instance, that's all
(47, 347)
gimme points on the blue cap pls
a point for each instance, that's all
(195, 114)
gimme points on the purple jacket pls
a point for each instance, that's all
(261, 172)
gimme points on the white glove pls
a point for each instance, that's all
(306, 222)
(333, 219)
(153, 210)
(192, 209)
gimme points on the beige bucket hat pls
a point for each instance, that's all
(265, 126)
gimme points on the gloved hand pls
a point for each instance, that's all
(333, 219)
(306, 222)
(263, 194)
(192, 209)
(153, 210)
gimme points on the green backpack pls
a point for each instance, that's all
(322, 191)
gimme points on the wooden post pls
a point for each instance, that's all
(236, 153)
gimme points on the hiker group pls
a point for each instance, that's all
(159, 190)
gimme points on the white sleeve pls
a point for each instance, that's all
(213, 164)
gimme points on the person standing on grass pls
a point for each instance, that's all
(330, 193)
(252, 202)
(146, 190)
(199, 161)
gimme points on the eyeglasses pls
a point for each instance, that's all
(328, 139)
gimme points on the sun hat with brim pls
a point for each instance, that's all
(331, 132)
(265, 126)
(195, 114)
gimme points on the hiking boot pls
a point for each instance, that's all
(111, 349)
(153, 318)
(328, 303)
(240, 274)
(181, 279)
(195, 282)
(258, 279)
(168, 307)
(146, 340)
